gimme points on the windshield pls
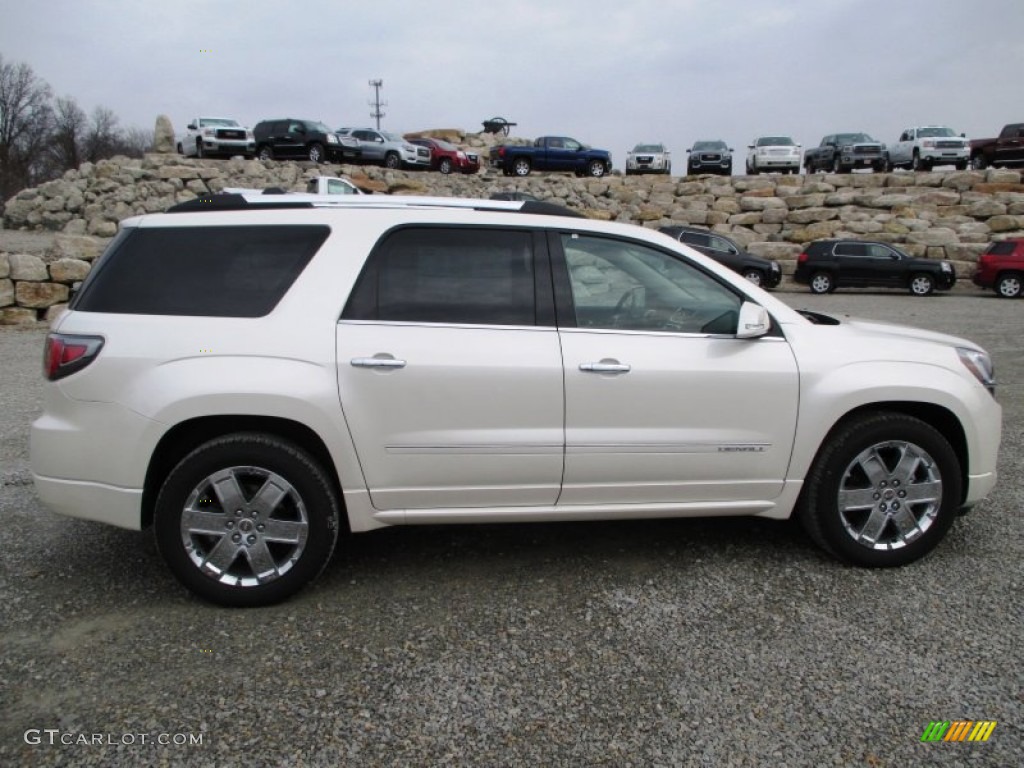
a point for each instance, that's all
(775, 141)
(392, 136)
(852, 138)
(318, 127)
(923, 132)
(217, 122)
(709, 146)
(445, 145)
(649, 148)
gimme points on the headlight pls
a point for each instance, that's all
(332, 139)
(980, 364)
(208, 132)
(461, 155)
(928, 144)
(945, 266)
(409, 148)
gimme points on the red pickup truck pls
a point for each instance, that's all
(1007, 149)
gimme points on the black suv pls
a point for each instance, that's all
(757, 270)
(709, 157)
(830, 264)
(291, 139)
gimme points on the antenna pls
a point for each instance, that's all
(377, 103)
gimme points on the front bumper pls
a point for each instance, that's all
(228, 147)
(776, 161)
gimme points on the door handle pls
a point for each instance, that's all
(377, 362)
(605, 366)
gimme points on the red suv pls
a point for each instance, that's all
(447, 157)
(1001, 266)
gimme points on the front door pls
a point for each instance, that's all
(450, 371)
(663, 403)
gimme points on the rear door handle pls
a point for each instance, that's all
(605, 366)
(377, 362)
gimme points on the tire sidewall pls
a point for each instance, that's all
(248, 449)
(841, 448)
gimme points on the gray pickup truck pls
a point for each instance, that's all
(843, 152)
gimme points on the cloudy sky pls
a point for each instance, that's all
(610, 73)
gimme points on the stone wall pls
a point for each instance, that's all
(949, 215)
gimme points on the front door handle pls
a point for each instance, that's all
(377, 362)
(605, 366)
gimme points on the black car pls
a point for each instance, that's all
(757, 270)
(829, 264)
(302, 140)
(709, 157)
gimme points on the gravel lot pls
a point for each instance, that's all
(654, 643)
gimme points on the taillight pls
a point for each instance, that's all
(501, 151)
(802, 257)
(65, 353)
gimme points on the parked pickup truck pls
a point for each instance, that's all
(921, 148)
(551, 153)
(842, 152)
(1007, 149)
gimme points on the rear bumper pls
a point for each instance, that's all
(91, 501)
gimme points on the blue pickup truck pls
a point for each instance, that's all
(551, 153)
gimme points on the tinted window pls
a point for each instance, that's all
(435, 275)
(203, 271)
(877, 251)
(619, 284)
(851, 249)
(719, 244)
(695, 238)
(1003, 248)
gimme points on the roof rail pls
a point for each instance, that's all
(238, 201)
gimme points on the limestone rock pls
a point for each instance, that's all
(17, 316)
(25, 266)
(983, 209)
(775, 251)
(932, 237)
(996, 224)
(5, 265)
(39, 295)
(69, 270)
(163, 135)
(68, 246)
(6, 292)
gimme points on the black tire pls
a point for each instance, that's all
(1009, 285)
(961, 166)
(264, 152)
(315, 153)
(629, 172)
(392, 161)
(856, 500)
(445, 165)
(199, 148)
(596, 168)
(756, 276)
(668, 169)
(979, 163)
(822, 282)
(181, 149)
(521, 167)
(921, 284)
(915, 162)
(837, 166)
(301, 509)
(752, 170)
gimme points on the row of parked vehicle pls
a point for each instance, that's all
(826, 265)
(918, 148)
(295, 139)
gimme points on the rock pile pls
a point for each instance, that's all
(941, 215)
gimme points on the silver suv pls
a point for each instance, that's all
(388, 149)
(251, 375)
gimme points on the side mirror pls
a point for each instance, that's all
(963, 135)
(731, 149)
(750, 146)
(191, 126)
(754, 321)
(689, 150)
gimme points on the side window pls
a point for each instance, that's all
(555, 144)
(572, 144)
(439, 275)
(336, 187)
(850, 250)
(695, 238)
(719, 244)
(624, 285)
(876, 251)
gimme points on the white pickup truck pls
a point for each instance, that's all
(919, 149)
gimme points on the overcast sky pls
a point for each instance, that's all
(609, 72)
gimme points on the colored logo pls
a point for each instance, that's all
(958, 730)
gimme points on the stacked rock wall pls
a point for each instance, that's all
(949, 215)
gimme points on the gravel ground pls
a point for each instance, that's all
(654, 643)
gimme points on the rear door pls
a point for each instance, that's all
(450, 370)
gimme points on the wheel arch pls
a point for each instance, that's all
(185, 437)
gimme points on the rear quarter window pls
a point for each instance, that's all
(1003, 248)
(201, 271)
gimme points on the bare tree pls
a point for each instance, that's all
(103, 137)
(25, 121)
(69, 132)
(135, 142)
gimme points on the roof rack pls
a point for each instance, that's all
(240, 201)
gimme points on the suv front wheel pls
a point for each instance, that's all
(1009, 285)
(922, 285)
(246, 519)
(883, 491)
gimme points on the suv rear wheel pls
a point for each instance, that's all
(822, 282)
(246, 519)
(392, 161)
(883, 491)
(316, 153)
(1009, 285)
(521, 167)
(922, 285)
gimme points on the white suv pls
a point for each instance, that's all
(773, 153)
(254, 374)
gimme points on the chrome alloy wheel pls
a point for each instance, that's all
(890, 494)
(244, 526)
